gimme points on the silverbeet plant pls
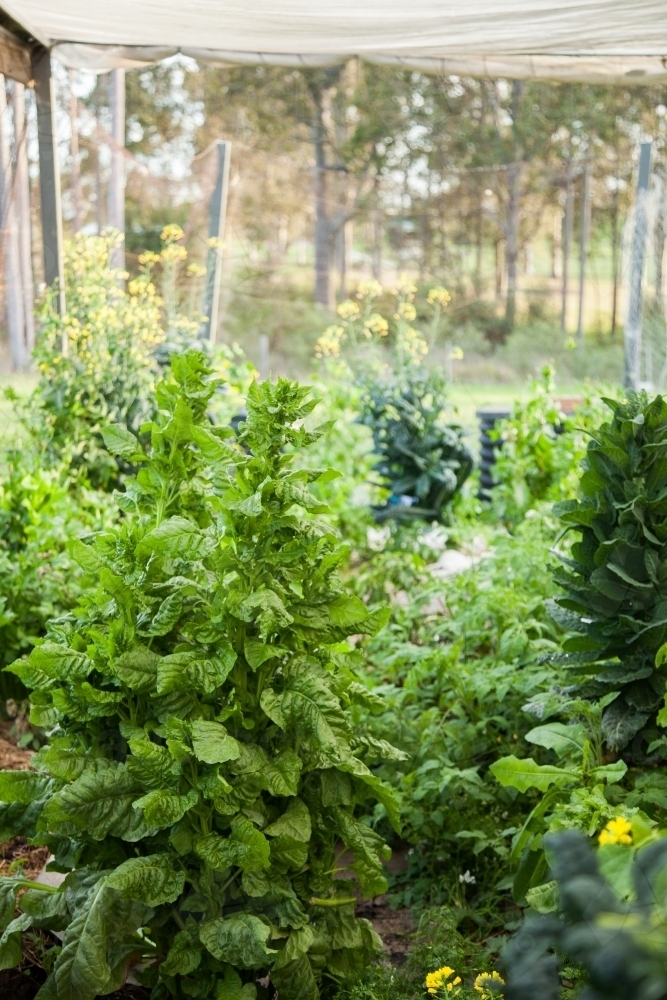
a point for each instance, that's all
(202, 786)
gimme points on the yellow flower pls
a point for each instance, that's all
(369, 289)
(171, 233)
(405, 286)
(406, 311)
(439, 295)
(456, 354)
(196, 270)
(214, 243)
(617, 831)
(437, 980)
(149, 257)
(481, 984)
(173, 251)
(376, 324)
(328, 346)
(348, 309)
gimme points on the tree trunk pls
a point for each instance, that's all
(513, 209)
(479, 245)
(583, 246)
(74, 149)
(12, 272)
(566, 242)
(22, 188)
(512, 241)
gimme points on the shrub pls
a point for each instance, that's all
(203, 768)
(608, 918)
(614, 583)
(108, 370)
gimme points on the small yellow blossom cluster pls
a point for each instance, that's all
(171, 233)
(482, 981)
(617, 831)
(328, 346)
(439, 981)
(406, 311)
(410, 345)
(439, 296)
(406, 288)
(348, 309)
(196, 270)
(376, 324)
(369, 289)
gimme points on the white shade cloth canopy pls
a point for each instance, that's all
(606, 41)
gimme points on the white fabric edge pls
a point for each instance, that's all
(610, 69)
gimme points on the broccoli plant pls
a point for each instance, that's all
(203, 785)
(616, 581)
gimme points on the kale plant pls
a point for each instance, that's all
(615, 927)
(203, 781)
(616, 581)
(422, 456)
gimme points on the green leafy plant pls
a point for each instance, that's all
(422, 455)
(609, 919)
(96, 363)
(541, 449)
(203, 779)
(614, 582)
(578, 792)
(40, 515)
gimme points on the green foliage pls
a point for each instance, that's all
(422, 456)
(202, 767)
(609, 919)
(96, 363)
(614, 580)
(541, 450)
(450, 675)
(581, 791)
(39, 518)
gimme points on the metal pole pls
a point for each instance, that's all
(583, 245)
(49, 179)
(216, 231)
(22, 188)
(633, 326)
(13, 292)
(74, 149)
(117, 179)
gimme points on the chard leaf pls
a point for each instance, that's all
(177, 538)
(60, 662)
(11, 951)
(137, 668)
(100, 802)
(212, 743)
(296, 980)
(21, 786)
(240, 939)
(294, 822)
(183, 957)
(164, 807)
(151, 880)
(119, 441)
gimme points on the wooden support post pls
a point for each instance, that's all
(117, 179)
(565, 244)
(216, 232)
(583, 246)
(633, 326)
(74, 150)
(12, 273)
(22, 189)
(49, 178)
